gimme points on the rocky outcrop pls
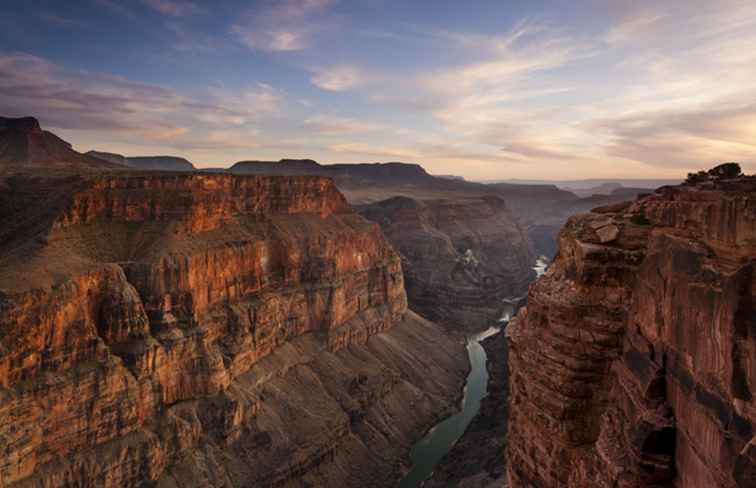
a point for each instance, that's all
(541, 210)
(24, 146)
(149, 163)
(460, 257)
(634, 363)
(207, 330)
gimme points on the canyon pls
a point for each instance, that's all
(295, 324)
(197, 330)
(461, 257)
(634, 362)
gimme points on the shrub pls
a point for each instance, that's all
(726, 171)
(694, 178)
(640, 218)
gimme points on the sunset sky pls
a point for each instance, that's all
(484, 89)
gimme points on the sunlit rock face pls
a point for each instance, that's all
(634, 363)
(207, 330)
(460, 256)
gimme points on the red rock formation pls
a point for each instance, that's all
(634, 363)
(192, 330)
(460, 256)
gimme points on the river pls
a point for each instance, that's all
(429, 450)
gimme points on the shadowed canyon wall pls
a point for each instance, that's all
(634, 363)
(207, 330)
(460, 256)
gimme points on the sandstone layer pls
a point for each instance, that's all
(634, 362)
(460, 257)
(207, 330)
(539, 209)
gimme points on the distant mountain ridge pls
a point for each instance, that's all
(150, 163)
(24, 145)
(597, 183)
(393, 171)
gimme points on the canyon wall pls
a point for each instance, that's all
(460, 256)
(207, 330)
(634, 362)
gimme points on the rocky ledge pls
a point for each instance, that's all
(207, 330)
(634, 363)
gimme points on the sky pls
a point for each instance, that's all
(483, 89)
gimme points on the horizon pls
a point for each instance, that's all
(487, 91)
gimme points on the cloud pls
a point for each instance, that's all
(116, 8)
(60, 20)
(527, 50)
(331, 125)
(337, 78)
(164, 133)
(286, 25)
(687, 139)
(175, 8)
(635, 27)
(99, 103)
(382, 151)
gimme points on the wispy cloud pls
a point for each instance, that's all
(116, 7)
(685, 138)
(101, 103)
(60, 20)
(175, 8)
(332, 125)
(337, 78)
(374, 150)
(286, 25)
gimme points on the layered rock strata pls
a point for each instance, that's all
(460, 257)
(207, 330)
(634, 363)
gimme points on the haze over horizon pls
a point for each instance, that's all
(485, 89)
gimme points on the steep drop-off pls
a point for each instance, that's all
(634, 363)
(207, 330)
(541, 210)
(460, 257)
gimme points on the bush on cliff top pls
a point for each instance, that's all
(721, 172)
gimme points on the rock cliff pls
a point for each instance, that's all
(460, 256)
(207, 330)
(634, 362)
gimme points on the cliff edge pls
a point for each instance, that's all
(634, 363)
(207, 330)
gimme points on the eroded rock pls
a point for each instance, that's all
(634, 363)
(203, 330)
